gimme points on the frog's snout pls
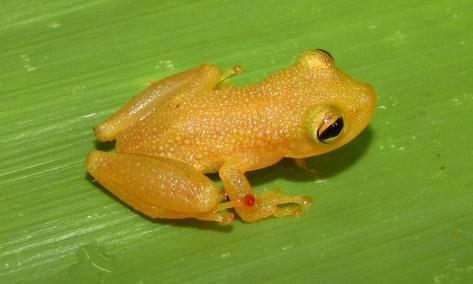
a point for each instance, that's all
(366, 100)
(363, 106)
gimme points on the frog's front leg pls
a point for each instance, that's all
(302, 164)
(159, 187)
(250, 207)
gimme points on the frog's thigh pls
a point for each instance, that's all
(158, 187)
(204, 77)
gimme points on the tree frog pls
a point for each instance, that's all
(194, 123)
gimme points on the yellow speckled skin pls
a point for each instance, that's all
(191, 123)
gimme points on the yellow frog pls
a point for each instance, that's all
(193, 123)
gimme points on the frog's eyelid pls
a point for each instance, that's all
(326, 52)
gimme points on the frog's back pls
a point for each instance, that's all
(204, 129)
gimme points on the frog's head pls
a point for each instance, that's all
(339, 109)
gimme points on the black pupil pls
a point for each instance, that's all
(332, 131)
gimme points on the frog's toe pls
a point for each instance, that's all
(276, 197)
(286, 205)
(220, 217)
(291, 210)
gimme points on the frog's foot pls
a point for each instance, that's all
(152, 211)
(272, 203)
(218, 215)
(236, 70)
(227, 85)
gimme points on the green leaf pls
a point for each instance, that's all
(393, 206)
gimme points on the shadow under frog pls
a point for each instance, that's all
(318, 167)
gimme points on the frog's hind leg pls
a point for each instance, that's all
(204, 77)
(159, 187)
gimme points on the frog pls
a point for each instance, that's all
(182, 128)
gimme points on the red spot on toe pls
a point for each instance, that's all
(249, 200)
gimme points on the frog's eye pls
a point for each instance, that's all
(326, 53)
(324, 123)
(329, 129)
